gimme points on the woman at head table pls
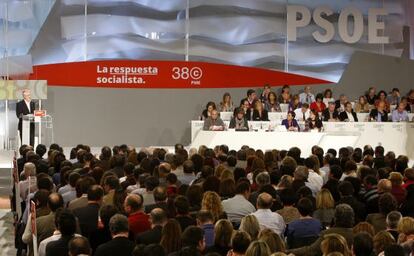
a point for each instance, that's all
(290, 122)
(226, 105)
(313, 122)
(272, 105)
(239, 122)
(207, 112)
(258, 113)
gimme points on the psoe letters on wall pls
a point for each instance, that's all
(299, 16)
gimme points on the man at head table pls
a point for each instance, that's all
(213, 122)
(400, 114)
(24, 107)
(379, 114)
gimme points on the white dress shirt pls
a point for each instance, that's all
(306, 98)
(315, 182)
(28, 105)
(271, 220)
(299, 114)
(350, 117)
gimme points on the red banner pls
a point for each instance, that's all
(163, 74)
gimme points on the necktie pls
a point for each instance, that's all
(303, 116)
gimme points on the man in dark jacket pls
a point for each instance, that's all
(120, 245)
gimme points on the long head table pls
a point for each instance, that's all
(397, 137)
(279, 116)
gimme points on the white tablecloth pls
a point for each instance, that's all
(397, 137)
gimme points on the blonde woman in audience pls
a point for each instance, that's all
(273, 240)
(250, 225)
(226, 105)
(382, 240)
(211, 202)
(334, 243)
(226, 174)
(258, 248)
(223, 231)
(406, 230)
(325, 207)
(285, 182)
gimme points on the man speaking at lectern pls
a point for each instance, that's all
(25, 107)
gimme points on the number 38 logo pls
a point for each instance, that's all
(186, 73)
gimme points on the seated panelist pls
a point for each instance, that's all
(239, 121)
(290, 122)
(348, 115)
(213, 122)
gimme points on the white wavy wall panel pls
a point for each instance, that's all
(242, 32)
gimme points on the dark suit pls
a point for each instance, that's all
(58, 247)
(21, 110)
(119, 246)
(344, 116)
(326, 116)
(152, 236)
(374, 114)
(88, 218)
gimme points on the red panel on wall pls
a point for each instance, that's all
(163, 74)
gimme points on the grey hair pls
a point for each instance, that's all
(344, 216)
(118, 224)
(302, 172)
(262, 179)
(393, 218)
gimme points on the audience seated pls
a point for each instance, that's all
(220, 202)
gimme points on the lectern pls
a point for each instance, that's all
(43, 129)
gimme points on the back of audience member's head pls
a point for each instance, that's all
(345, 188)
(133, 203)
(223, 230)
(335, 171)
(67, 223)
(160, 194)
(324, 199)
(364, 227)
(382, 240)
(387, 203)
(212, 183)
(406, 226)
(158, 216)
(393, 218)
(250, 224)
(344, 216)
(151, 183)
(41, 198)
(258, 248)
(118, 224)
(242, 188)
(55, 201)
(288, 197)
(95, 193)
(273, 240)
(396, 179)
(264, 201)
(409, 174)
(363, 244)
(305, 207)
(181, 204)
(79, 246)
(204, 217)
(240, 241)
(193, 237)
(384, 186)
(334, 243)
(401, 164)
